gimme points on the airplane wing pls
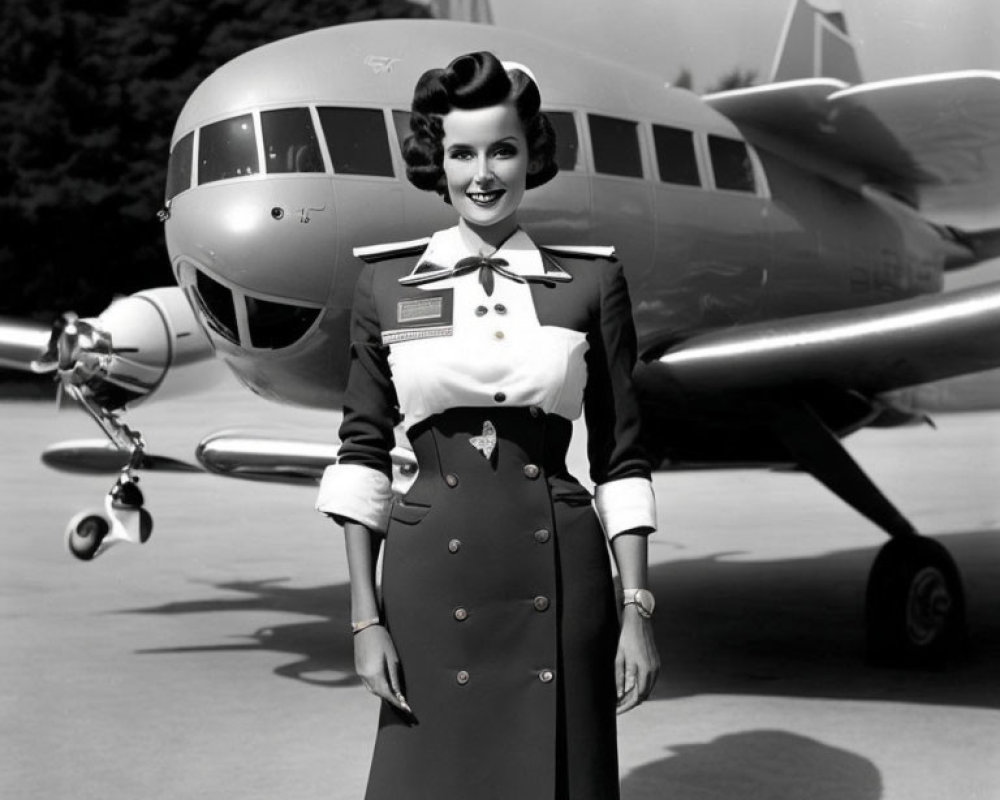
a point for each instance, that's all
(870, 350)
(933, 140)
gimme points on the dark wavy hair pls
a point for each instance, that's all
(475, 80)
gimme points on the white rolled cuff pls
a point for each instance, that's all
(626, 504)
(356, 493)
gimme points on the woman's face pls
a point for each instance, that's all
(485, 164)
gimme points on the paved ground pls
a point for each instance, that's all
(214, 662)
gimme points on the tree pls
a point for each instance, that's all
(736, 78)
(88, 100)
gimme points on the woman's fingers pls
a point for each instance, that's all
(396, 685)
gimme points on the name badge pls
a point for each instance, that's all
(425, 315)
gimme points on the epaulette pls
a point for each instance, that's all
(582, 250)
(382, 252)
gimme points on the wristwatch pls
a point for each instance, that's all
(642, 599)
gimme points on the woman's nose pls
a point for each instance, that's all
(483, 171)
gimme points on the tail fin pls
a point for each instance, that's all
(815, 44)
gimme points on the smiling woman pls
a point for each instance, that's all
(495, 645)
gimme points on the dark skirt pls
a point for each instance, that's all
(497, 592)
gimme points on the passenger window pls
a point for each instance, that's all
(358, 142)
(616, 146)
(276, 325)
(179, 167)
(731, 164)
(290, 143)
(675, 155)
(401, 122)
(227, 149)
(217, 303)
(567, 142)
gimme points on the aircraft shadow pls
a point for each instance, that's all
(755, 765)
(723, 626)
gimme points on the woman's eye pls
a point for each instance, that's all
(505, 151)
(460, 155)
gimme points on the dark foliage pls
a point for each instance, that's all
(88, 100)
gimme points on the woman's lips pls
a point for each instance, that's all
(485, 198)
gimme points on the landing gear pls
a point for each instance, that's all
(123, 519)
(915, 605)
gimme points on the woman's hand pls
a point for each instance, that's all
(637, 664)
(377, 665)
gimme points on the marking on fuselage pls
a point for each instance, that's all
(381, 65)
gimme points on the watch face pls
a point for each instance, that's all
(646, 602)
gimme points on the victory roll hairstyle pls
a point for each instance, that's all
(475, 80)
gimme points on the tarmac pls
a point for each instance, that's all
(215, 661)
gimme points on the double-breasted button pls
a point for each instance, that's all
(454, 545)
(462, 677)
(534, 411)
(481, 310)
(451, 479)
(500, 308)
(500, 397)
(531, 471)
(541, 603)
(498, 335)
(546, 676)
(461, 614)
(542, 535)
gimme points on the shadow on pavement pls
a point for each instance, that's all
(756, 765)
(723, 626)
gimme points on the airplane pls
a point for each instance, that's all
(785, 247)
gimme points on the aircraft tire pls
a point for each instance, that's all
(145, 525)
(85, 533)
(915, 605)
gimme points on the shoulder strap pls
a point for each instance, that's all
(383, 252)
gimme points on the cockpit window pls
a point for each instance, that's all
(616, 146)
(567, 142)
(675, 155)
(731, 164)
(357, 140)
(401, 122)
(217, 303)
(179, 167)
(276, 325)
(290, 143)
(227, 149)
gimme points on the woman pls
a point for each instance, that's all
(497, 648)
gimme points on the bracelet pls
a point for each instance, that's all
(357, 627)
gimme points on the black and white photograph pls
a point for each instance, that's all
(492, 400)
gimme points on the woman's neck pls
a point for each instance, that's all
(486, 240)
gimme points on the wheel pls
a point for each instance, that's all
(915, 605)
(145, 525)
(85, 533)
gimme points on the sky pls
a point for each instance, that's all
(894, 38)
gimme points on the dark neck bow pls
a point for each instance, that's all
(487, 266)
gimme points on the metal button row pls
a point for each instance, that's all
(462, 677)
(500, 308)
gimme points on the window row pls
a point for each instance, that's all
(358, 144)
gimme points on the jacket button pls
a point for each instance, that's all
(546, 676)
(499, 397)
(541, 603)
(481, 310)
(500, 308)
(542, 535)
(498, 335)
(462, 677)
(461, 614)
(454, 545)
(531, 471)
(534, 411)
(451, 479)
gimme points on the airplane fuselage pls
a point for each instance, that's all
(289, 156)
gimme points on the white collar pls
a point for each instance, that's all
(446, 247)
